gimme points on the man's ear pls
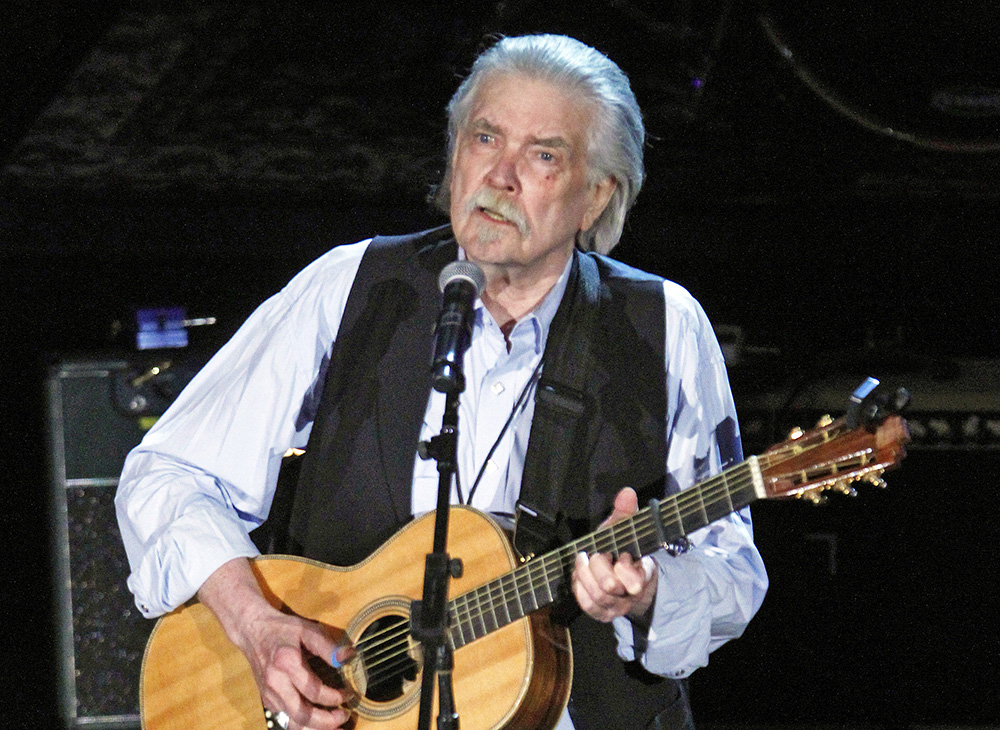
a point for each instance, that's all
(601, 193)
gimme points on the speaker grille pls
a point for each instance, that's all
(109, 633)
(101, 635)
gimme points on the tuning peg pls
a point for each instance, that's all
(815, 496)
(795, 433)
(847, 489)
(825, 420)
(876, 481)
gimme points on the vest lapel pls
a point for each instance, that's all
(404, 375)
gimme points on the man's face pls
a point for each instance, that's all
(519, 188)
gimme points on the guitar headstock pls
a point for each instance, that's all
(862, 445)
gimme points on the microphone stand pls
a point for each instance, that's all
(460, 283)
(429, 617)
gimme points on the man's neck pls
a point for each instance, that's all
(510, 294)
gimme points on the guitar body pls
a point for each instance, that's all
(516, 677)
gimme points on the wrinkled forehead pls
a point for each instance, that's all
(545, 109)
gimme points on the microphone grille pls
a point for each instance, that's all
(462, 271)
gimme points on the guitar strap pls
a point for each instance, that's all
(605, 693)
(557, 427)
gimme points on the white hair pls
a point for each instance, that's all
(616, 138)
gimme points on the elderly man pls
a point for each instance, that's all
(544, 161)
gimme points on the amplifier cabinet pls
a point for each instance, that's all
(97, 411)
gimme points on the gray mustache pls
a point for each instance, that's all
(496, 203)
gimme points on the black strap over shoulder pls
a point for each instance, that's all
(560, 404)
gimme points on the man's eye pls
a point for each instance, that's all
(484, 138)
(546, 156)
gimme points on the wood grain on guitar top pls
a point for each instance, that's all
(518, 676)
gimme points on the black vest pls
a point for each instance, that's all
(354, 487)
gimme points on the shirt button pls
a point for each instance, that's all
(491, 467)
(497, 388)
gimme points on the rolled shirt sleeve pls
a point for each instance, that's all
(706, 595)
(205, 474)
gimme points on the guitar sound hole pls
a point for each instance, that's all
(385, 658)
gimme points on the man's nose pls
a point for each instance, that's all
(503, 174)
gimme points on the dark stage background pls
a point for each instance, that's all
(822, 176)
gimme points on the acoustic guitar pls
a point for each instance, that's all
(512, 665)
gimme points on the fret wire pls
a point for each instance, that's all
(482, 611)
(520, 606)
(544, 565)
(514, 608)
(702, 510)
(641, 518)
(505, 584)
(726, 492)
(476, 614)
(546, 580)
(470, 619)
(468, 623)
(477, 620)
(529, 570)
(635, 537)
(506, 604)
(525, 575)
(454, 620)
(491, 615)
(537, 573)
(497, 600)
(462, 616)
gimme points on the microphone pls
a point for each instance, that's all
(460, 282)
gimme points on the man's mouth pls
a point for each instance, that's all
(494, 208)
(493, 215)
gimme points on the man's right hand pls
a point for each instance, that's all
(277, 646)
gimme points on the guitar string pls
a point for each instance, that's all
(467, 613)
(533, 565)
(705, 490)
(707, 495)
(612, 537)
(607, 538)
(397, 661)
(380, 657)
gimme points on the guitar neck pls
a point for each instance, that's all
(540, 581)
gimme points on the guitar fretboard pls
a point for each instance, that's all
(540, 581)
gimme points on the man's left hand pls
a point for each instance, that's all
(607, 588)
